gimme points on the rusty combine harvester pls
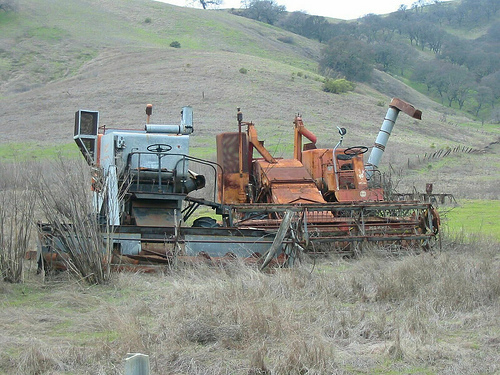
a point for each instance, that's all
(271, 209)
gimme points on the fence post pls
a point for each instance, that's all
(136, 364)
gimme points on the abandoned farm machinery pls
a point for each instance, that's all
(271, 209)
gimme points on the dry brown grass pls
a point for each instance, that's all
(437, 313)
(66, 203)
(17, 206)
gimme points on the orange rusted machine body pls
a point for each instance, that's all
(329, 189)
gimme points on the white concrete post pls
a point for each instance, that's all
(137, 364)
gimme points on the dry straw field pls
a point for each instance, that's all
(432, 313)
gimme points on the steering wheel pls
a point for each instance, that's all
(159, 148)
(355, 150)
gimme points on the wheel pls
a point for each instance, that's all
(205, 222)
(356, 150)
(159, 148)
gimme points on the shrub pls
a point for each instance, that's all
(175, 44)
(338, 86)
(286, 39)
(67, 204)
(147, 20)
(243, 70)
(8, 6)
(17, 206)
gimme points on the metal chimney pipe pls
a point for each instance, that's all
(381, 141)
(396, 106)
(187, 119)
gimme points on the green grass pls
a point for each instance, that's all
(487, 127)
(391, 368)
(90, 337)
(33, 151)
(7, 19)
(468, 32)
(438, 164)
(203, 212)
(475, 217)
(24, 295)
(203, 152)
(51, 34)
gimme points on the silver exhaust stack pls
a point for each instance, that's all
(396, 106)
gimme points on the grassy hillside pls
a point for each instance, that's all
(49, 40)
(59, 56)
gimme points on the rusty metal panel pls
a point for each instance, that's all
(130, 243)
(289, 182)
(284, 170)
(315, 161)
(231, 187)
(232, 184)
(228, 152)
(352, 181)
(356, 195)
(296, 193)
(359, 175)
(406, 108)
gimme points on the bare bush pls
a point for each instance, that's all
(8, 5)
(17, 204)
(67, 203)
